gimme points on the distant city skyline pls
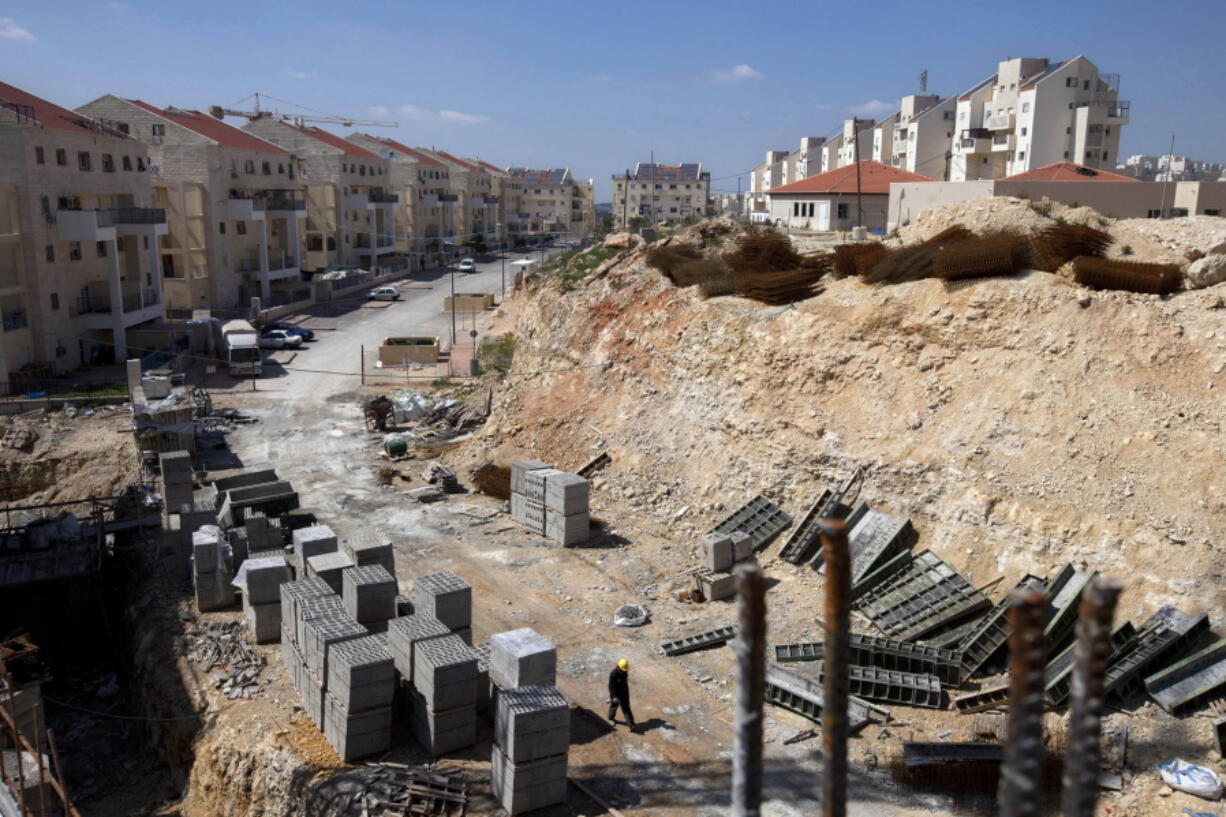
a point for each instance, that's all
(542, 85)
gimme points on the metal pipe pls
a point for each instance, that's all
(1090, 657)
(1021, 774)
(750, 650)
(837, 655)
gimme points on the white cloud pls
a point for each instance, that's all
(444, 116)
(873, 106)
(9, 30)
(377, 110)
(301, 74)
(737, 73)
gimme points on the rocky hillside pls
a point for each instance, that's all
(1020, 422)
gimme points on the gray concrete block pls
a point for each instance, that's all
(521, 658)
(312, 608)
(572, 529)
(361, 674)
(520, 469)
(405, 632)
(566, 493)
(534, 484)
(264, 621)
(329, 567)
(445, 596)
(532, 722)
(356, 735)
(717, 552)
(320, 634)
(742, 546)
(369, 593)
(313, 541)
(264, 581)
(718, 585)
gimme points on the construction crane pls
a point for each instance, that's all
(218, 112)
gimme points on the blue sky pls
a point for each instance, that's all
(595, 87)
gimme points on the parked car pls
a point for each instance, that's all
(279, 339)
(305, 334)
(384, 294)
(468, 265)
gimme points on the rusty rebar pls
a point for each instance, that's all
(1022, 772)
(750, 650)
(1090, 657)
(837, 655)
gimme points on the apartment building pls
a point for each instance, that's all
(79, 258)
(656, 192)
(555, 202)
(233, 203)
(1034, 112)
(350, 213)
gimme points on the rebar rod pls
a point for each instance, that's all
(1090, 657)
(750, 649)
(837, 655)
(1021, 774)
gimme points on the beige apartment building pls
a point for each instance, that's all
(555, 202)
(234, 206)
(351, 215)
(79, 257)
(1033, 112)
(659, 193)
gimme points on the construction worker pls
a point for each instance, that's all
(619, 693)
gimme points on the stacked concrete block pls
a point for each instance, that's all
(313, 541)
(443, 714)
(330, 567)
(210, 574)
(176, 467)
(369, 595)
(405, 633)
(367, 548)
(360, 687)
(521, 658)
(525, 787)
(448, 598)
(262, 596)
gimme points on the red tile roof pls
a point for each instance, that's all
(50, 115)
(408, 151)
(211, 128)
(1067, 172)
(343, 145)
(874, 178)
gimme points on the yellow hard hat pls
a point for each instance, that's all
(623, 665)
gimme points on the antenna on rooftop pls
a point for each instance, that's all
(924, 81)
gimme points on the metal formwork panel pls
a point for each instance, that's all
(990, 636)
(759, 519)
(983, 699)
(701, 641)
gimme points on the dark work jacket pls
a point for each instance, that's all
(619, 684)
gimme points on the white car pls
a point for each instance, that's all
(384, 294)
(468, 265)
(280, 339)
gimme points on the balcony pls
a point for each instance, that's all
(243, 208)
(1002, 121)
(1002, 141)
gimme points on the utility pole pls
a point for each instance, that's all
(855, 135)
(1170, 158)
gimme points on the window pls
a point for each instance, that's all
(100, 248)
(108, 163)
(50, 250)
(39, 157)
(83, 162)
(127, 163)
(74, 250)
(240, 227)
(61, 157)
(55, 301)
(267, 168)
(249, 166)
(221, 227)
